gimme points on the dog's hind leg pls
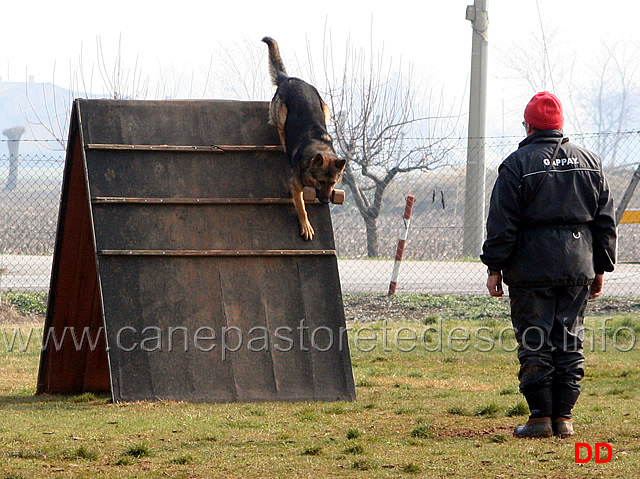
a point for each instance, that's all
(326, 111)
(278, 117)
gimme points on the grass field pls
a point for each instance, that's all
(432, 402)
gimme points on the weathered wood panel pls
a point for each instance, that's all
(207, 296)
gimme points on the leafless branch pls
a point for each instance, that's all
(378, 125)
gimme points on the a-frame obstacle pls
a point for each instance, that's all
(178, 271)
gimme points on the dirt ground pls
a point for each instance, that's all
(371, 308)
(9, 315)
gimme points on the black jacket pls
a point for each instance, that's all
(558, 232)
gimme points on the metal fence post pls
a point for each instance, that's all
(635, 179)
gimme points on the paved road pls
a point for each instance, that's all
(357, 276)
(442, 277)
(21, 273)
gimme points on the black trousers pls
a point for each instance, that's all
(548, 324)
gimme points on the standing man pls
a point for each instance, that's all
(551, 234)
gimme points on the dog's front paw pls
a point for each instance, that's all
(306, 231)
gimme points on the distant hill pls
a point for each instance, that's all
(42, 109)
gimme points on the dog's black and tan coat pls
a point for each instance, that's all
(300, 116)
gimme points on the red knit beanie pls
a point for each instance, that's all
(544, 112)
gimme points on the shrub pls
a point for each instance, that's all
(137, 451)
(27, 303)
(421, 431)
(353, 434)
(490, 410)
(457, 411)
(411, 468)
(498, 438)
(355, 449)
(84, 453)
(520, 409)
(312, 451)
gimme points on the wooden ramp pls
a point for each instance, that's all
(178, 271)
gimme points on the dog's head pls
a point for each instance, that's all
(325, 173)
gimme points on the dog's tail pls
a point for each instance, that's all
(276, 65)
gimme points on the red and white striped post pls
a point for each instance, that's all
(401, 242)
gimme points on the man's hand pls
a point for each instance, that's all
(596, 286)
(494, 284)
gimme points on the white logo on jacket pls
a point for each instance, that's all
(562, 161)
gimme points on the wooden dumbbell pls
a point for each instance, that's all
(309, 194)
(337, 196)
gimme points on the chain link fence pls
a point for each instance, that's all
(433, 262)
(29, 203)
(434, 259)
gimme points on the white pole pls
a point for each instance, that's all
(404, 234)
(474, 207)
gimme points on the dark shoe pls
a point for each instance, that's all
(563, 427)
(538, 427)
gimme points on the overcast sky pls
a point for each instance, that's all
(171, 38)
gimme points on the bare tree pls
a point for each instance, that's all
(121, 81)
(53, 118)
(241, 71)
(612, 101)
(379, 128)
(116, 77)
(602, 98)
(536, 62)
(539, 63)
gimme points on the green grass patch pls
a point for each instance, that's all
(138, 451)
(498, 438)
(364, 383)
(312, 451)
(520, 409)
(443, 408)
(362, 465)
(82, 453)
(489, 410)
(182, 460)
(411, 468)
(421, 431)
(355, 449)
(84, 397)
(457, 411)
(353, 434)
(509, 390)
(445, 307)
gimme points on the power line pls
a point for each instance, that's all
(544, 44)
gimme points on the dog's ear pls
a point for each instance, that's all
(317, 161)
(340, 164)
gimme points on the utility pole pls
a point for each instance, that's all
(474, 203)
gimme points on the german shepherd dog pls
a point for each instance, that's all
(301, 117)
